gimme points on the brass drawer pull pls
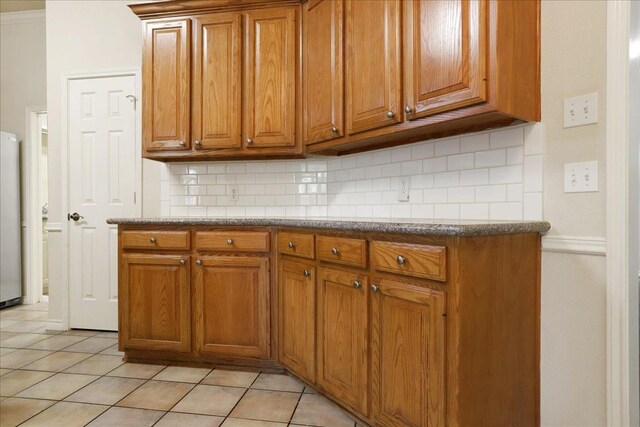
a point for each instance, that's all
(401, 260)
(291, 245)
(153, 240)
(335, 251)
(182, 262)
(229, 242)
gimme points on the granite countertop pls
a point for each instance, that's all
(401, 226)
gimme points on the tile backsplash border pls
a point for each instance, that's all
(490, 175)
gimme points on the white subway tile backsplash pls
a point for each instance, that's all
(491, 175)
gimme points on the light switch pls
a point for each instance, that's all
(581, 110)
(581, 177)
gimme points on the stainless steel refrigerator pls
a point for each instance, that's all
(10, 247)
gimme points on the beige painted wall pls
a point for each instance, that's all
(90, 35)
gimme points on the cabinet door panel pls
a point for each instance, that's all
(156, 302)
(373, 64)
(343, 337)
(231, 306)
(166, 85)
(445, 56)
(297, 318)
(217, 81)
(270, 78)
(323, 70)
(408, 355)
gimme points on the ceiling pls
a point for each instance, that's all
(20, 5)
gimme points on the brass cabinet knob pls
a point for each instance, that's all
(306, 273)
(249, 141)
(198, 262)
(196, 142)
(182, 144)
(291, 245)
(390, 114)
(401, 260)
(407, 109)
(374, 288)
(334, 129)
(357, 284)
(335, 251)
(229, 241)
(182, 262)
(153, 240)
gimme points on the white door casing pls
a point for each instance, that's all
(102, 181)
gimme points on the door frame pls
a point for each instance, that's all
(64, 165)
(33, 215)
(621, 225)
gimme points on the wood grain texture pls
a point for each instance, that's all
(270, 78)
(231, 306)
(343, 337)
(351, 252)
(241, 241)
(166, 85)
(297, 244)
(297, 306)
(323, 70)
(408, 355)
(217, 81)
(429, 262)
(374, 71)
(156, 302)
(445, 55)
(156, 240)
(166, 8)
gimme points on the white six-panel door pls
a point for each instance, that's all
(102, 183)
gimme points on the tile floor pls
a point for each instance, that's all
(78, 378)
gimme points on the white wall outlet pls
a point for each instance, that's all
(581, 110)
(234, 193)
(403, 190)
(581, 177)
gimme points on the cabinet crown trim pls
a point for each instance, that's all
(158, 9)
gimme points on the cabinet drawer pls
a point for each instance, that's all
(342, 250)
(296, 244)
(160, 240)
(232, 241)
(412, 260)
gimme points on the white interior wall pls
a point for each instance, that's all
(95, 35)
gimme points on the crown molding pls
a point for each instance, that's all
(23, 17)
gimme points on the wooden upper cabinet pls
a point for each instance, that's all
(297, 317)
(343, 331)
(270, 78)
(156, 302)
(408, 355)
(231, 312)
(373, 52)
(166, 85)
(323, 83)
(445, 55)
(217, 81)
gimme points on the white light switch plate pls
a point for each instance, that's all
(581, 177)
(581, 110)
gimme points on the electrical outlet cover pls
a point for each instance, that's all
(403, 190)
(581, 177)
(581, 110)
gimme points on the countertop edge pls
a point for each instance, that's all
(398, 227)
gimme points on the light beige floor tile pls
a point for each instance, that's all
(24, 315)
(23, 340)
(4, 371)
(99, 364)
(39, 306)
(57, 387)
(57, 342)
(159, 395)
(230, 378)
(210, 400)
(127, 417)
(107, 335)
(182, 374)
(81, 333)
(239, 422)
(278, 382)
(6, 335)
(45, 330)
(15, 411)
(6, 322)
(318, 411)
(105, 390)
(113, 351)
(66, 414)
(17, 381)
(22, 357)
(57, 362)
(92, 345)
(309, 390)
(266, 405)
(4, 351)
(136, 370)
(24, 327)
(175, 419)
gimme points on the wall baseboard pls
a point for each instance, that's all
(575, 245)
(55, 325)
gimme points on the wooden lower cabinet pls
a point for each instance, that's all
(231, 306)
(156, 301)
(407, 355)
(343, 337)
(297, 311)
